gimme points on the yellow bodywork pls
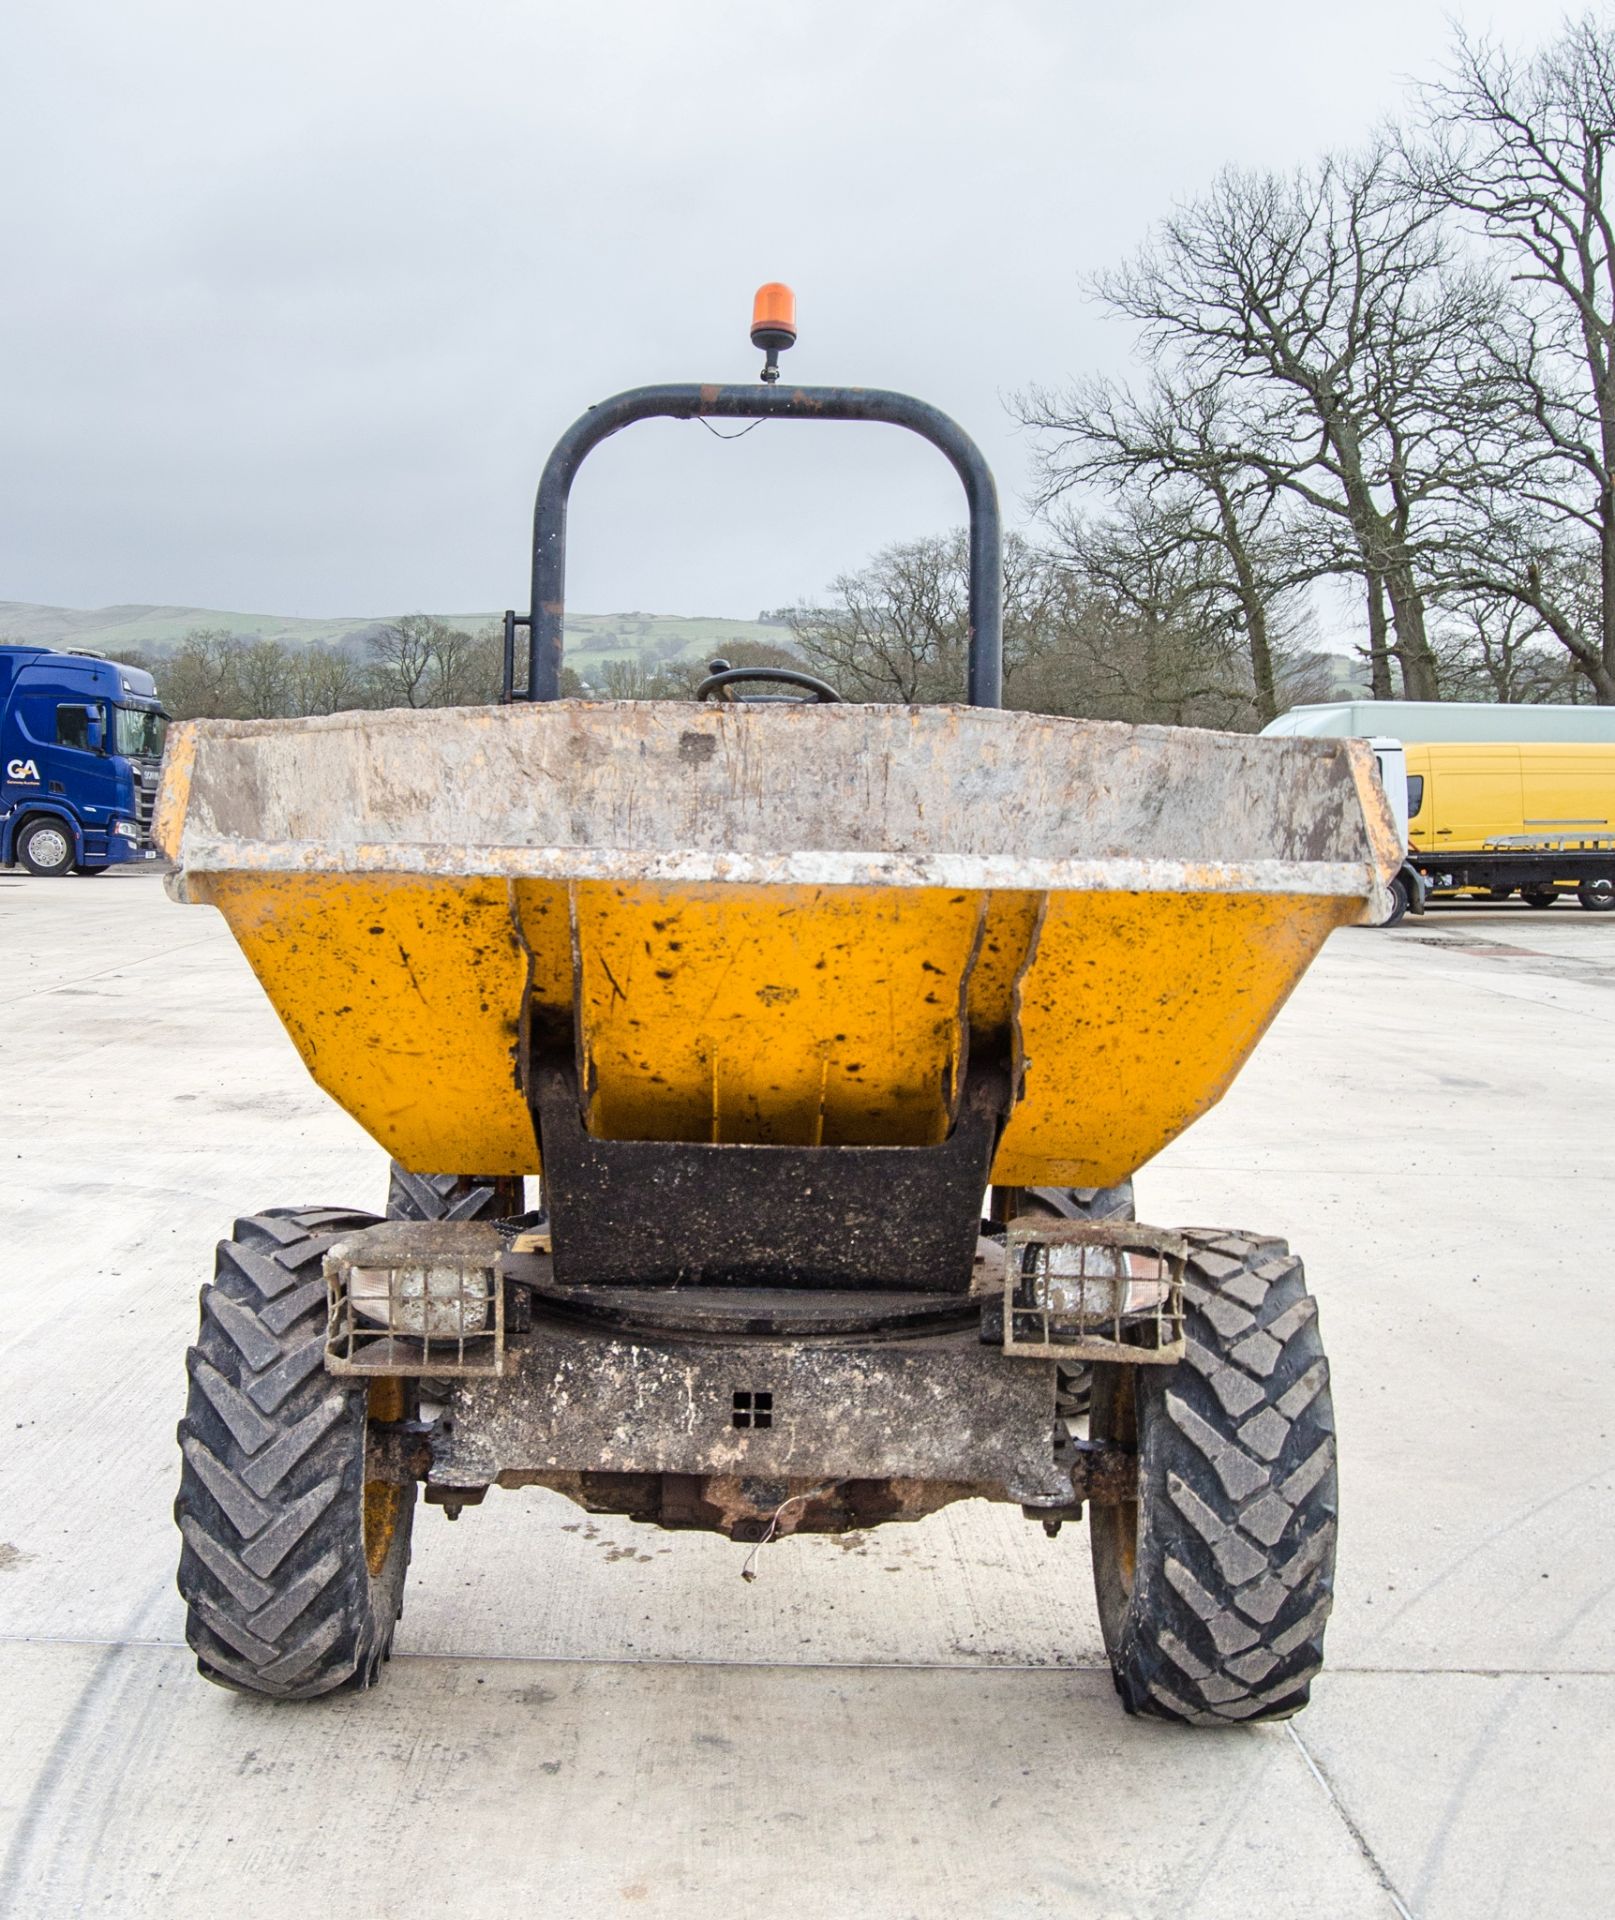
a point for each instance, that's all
(827, 996)
(792, 1016)
(403, 997)
(1499, 794)
(1136, 1012)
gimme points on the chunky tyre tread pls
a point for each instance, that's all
(1234, 1575)
(270, 1509)
(451, 1196)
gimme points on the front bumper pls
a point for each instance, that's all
(745, 1411)
(942, 1407)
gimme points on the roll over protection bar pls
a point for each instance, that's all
(546, 617)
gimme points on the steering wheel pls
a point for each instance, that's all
(718, 682)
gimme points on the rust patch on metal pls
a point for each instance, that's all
(748, 1508)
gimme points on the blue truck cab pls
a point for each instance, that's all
(81, 740)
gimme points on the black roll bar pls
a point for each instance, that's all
(546, 618)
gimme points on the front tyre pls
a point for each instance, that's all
(1597, 896)
(1215, 1585)
(45, 847)
(293, 1561)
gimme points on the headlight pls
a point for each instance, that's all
(442, 1303)
(1083, 1283)
(126, 829)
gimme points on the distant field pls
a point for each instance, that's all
(594, 638)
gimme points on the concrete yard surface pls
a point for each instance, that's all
(585, 1717)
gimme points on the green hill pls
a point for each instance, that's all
(594, 638)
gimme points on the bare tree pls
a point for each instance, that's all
(1502, 650)
(677, 679)
(1328, 313)
(896, 629)
(1176, 448)
(263, 673)
(1117, 622)
(404, 652)
(1141, 634)
(1518, 149)
(418, 662)
(629, 679)
(466, 668)
(899, 628)
(328, 679)
(199, 679)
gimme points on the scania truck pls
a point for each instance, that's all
(81, 740)
(1488, 799)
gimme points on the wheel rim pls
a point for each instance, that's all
(49, 846)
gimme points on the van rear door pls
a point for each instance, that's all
(1568, 791)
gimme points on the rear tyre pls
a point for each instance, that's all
(1215, 1585)
(293, 1561)
(45, 847)
(1597, 896)
(1540, 896)
(452, 1196)
(1080, 1203)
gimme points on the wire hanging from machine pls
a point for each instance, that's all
(728, 436)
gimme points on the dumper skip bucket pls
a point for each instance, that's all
(791, 924)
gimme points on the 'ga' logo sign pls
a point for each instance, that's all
(22, 770)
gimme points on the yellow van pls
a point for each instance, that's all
(1530, 799)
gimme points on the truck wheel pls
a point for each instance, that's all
(293, 1562)
(1397, 894)
(1597, 896)
(1540, 896)
(452, 1196)
(45, 847)
(1074, 1383)
(1215, 1584)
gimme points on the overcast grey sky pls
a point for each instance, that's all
(297, 296)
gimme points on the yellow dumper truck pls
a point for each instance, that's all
(825, 1032)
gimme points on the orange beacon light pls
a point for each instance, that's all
(773, 324)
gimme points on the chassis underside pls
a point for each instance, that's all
(742, 1410)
